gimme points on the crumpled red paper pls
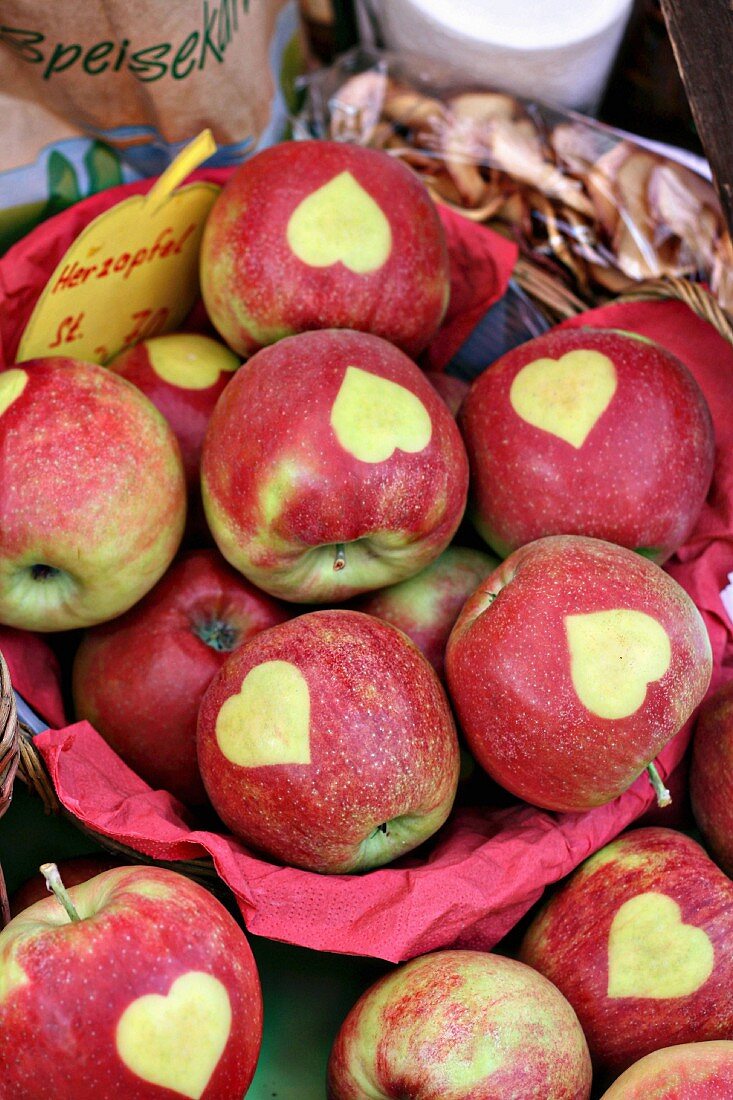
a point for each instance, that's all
(487, 867)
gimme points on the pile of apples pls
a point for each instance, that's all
(300, 664)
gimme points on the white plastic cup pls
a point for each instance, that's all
(559, 51)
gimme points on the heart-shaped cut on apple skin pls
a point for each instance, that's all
(372, 417)
(176, 1040)
(190, 361)
(567, 396)
(653, 954)
(12, 384)
(340, 223)
(268, 721)
(614, 656)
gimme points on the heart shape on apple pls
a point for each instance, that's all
(340, 222)
(268, 722)
(652, 953)
(373, 417)
(12, 384)
(614, 655)
(565, 396)
(176, 1041)
(190, 361)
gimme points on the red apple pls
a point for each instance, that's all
(640, 941)
(143, 987)
(460, 1025)
(711, 774)
(427, 605)
(453, 390)
(571, 667)
(331, 467)
(92, 495)
(318, 234)
(140, 679)
(588, 432)
(691, 1071)
(183, 374)
(328, 743)
(73, 871)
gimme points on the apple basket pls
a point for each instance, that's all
(488, 865)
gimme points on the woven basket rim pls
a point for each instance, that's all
(9, 762)
(9, 737)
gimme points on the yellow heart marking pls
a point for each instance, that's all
(268, 721)
(651, 953)
(373, 417)
(176, 1041)
(340, 222)
(614, 655)
(565, 396)
(190, 361)
(12, 384)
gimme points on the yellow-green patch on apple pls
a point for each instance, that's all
(268, 721)
(470, 1057)
(340, 222)
(176, 1041)
(372, 417)
(12, 384)
(631, 335)
(614, 656)
(190, 361)
(150, 889)
(278, 488)
(12, 974)
(651, 953)
(611, 855)
(567, 396)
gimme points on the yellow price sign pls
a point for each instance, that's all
(131, 274)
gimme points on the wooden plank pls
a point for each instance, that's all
(702, 38)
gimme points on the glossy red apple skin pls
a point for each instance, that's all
(187, 408)
(281, 492)
(453, 390)
(568, 942)
(257, 290)
(691, 1071)
(73, 871)
(425, 1029)
(383, 755)
(92, 495)
(427, 605)
(640, 477)
(140, 679)
(711, 774)
(142, 929)
(509, 672)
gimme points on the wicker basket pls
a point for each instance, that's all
(9, 759)
(16, 746)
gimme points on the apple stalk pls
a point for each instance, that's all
(664, 798)
(54, 884)
(339, 558)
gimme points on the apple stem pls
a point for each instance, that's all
(54, 884)
(339, 560)
(664, 798)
